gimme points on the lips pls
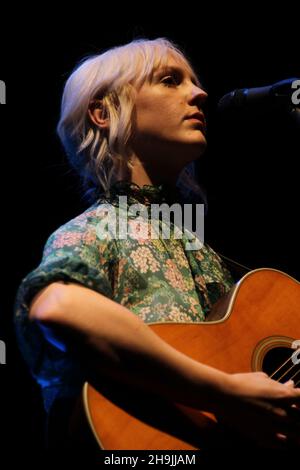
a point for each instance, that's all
(199, 119)
(198, 116)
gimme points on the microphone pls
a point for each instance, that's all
(272, 96)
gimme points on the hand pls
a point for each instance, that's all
(262, 409)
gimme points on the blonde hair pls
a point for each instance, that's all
(98, 156)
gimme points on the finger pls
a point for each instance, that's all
(277, 441)
(286, 419)
(290, 383)
(294, 412)
(289, 440)
(290, 396)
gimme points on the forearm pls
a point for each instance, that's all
(115, 342)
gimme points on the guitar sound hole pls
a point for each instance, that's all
(277, 364)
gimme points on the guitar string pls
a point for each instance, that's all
(293, 376)
(283, 375)
(282, 365)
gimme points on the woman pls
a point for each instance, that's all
(132, 124)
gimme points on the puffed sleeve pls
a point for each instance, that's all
(72, 254)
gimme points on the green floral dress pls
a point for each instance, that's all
(159, 280)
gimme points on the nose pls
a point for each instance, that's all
(198, 95)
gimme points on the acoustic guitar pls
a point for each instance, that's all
(255, 327)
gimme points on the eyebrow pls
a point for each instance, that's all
(177, 69)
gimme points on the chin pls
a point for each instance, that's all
(197, 139)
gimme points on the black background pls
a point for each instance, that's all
(250, 170)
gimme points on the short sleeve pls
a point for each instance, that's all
(72, 254)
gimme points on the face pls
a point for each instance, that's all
(169, 121)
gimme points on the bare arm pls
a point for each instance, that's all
(118, 343)
(115, 342)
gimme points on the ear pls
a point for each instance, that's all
(98, 115)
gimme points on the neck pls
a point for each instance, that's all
(142, 175)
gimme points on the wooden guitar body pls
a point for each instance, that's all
(251, 329)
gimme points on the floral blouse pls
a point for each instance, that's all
(159, 280)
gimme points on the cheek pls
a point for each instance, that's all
(145, 112)
(159, 116)
(149, 118)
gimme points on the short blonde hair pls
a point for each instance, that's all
(113, 77)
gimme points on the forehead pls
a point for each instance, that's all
(149, 63)
(174, 62)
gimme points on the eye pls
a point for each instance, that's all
(171, 80)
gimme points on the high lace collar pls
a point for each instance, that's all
(146, 194)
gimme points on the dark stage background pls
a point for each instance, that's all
(250, 170)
